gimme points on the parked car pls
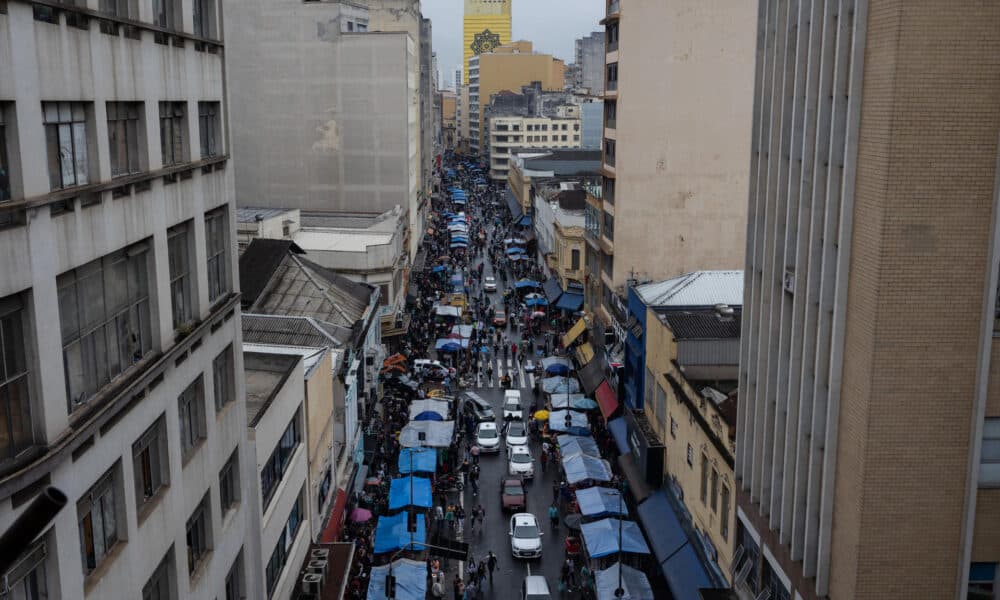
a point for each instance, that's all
(517, 434)
(519, 462)
(487, 437)
(525, 536)
(512, 405)
(489, 284)
(432, 369)
(500, 317)
(512, 496)
(479, 407)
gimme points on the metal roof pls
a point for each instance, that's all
(702, 324)
(700, 288)
(251, 215)
(303, 332)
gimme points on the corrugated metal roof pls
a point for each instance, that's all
(251, 215)
(702, 325)
(303, 332)
(700, 288)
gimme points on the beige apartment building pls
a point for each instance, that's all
(868, 436)
(508, 67)
(509, 134)
(676, 145)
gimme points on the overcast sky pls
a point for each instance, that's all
(551, 25)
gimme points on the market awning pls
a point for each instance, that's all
(391, 533)
(410, 576)
(574, 332)
(681, 565)
(331, 533)
(636, 484)
(524, 221)
(601, 538)
(591, 376)
(581, 467)
(561, 385)
(598, 501)
(417, 460)
(584, 353)
(634, 581)
(514, 206)
(619, 431)
(552, 289)
(420, 406)
(577, 422)
(570, 302)
(577, 444)
(606, 399)
(410, 491)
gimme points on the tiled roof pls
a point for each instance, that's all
(292, 331)
(702, 325)
(697, 289)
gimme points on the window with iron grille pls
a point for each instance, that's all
(276, 564)
(124, 124)
(216, 230)
(199, 531)
(229, 483)
(98, 517)
(173, 132)
(276, 465)
(66, 143)
(149, 462)
(209, 129)
(26, 579)
(179, 258)
(191, 417)
(16, 433)
(104, 317)
(223, 383)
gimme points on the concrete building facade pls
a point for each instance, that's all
(119, 305)
(869, 350)
(589, 63)
(329, 119)
(510, 134)
(684, 195)
(485, 25)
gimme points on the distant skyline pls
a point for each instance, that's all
(551, 26)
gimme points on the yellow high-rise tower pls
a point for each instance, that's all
(486, 26)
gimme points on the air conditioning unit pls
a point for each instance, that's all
(788, 281)
(312, 584)
(317, 566)
(320, 554)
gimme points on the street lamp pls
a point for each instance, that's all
(620, 591)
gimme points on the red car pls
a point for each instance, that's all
(512, 494)
(500, 317)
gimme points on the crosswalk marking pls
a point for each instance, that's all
(519, 378)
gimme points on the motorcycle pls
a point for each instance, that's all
(448, 484)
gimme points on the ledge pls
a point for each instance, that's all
(111, 405)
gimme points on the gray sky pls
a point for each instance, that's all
(551, 25)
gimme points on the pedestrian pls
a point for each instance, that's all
(449, 517)
(471, 568)
(457, 587)
(491, 564)
(481, 579)
(554, 516)
(460, 518)
(474, 451)
(545, 460)
(438, 517)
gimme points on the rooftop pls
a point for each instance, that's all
(252, 215)
(304, 332)
(339, 240)
(697, 289)
(706, 324)
(311, 357)
(265, 374)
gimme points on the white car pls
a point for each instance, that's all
(488, 438)
(519, 462)
(525, 536)
(517, 434)
(512, 405)
(490, 284)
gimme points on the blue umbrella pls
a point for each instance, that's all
(537, 302)
(527, 283)
(438, 269)
(428, 415)
(515, 250)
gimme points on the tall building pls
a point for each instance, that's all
(485, 26)
(589, 63)
(685, 195)
(457, 79)
(868, 437)
(506, 68)
(119, 306)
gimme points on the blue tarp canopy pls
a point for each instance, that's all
(577, 444)
(427, 415)
(524, 221)
(399, 492)
(458, 200)
(463, 330)
(560, 385)
(619, 431)
(601, 501)
(552, 289)
(661, 521)
(421, 406)
(450, 345)
(439, 269)
(411, 581)
(537, 302)
(460, 244)
(432, 434)
(515, 250)
(685, 573)
(601, 538)
(570, 302)
(574, 401)
(634, 581)
(424, 460)
(515, 241)
(526, 283)
(578, 422)
(581, 467)
(391, 534)
(556, 365)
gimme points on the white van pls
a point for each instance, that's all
(535, 588)
(512, 405)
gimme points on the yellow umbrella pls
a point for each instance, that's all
(435, 393)
(542, 415)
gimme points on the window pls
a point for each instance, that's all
(105, 320)
(209, 129)
(149, 462)
(324, 488)
(576, 138)
(97, 517)
(26, 578)
(673, 428)
(199, 531)
(5, 175)
(234, 579)
(223, 383)
(276, 564)
(66, 143)
(545, 127)
(574, 261)
(610, 113)
(191, 415)
(612, 36)
(563, 137)
(612, 79)
(660, 405)
(704, 479)
(178, 252)
(124, 9)
(204, 18)
(724, 517)
(690, 456)
(216, 230)
(609, 190)
(609, 226)
(15, 400)
(576, 127)
(276, 464)
(166, 13)
(714, 491)
(158, 585)
(123, 137)
(989, 462)
(172, 132)
(229, 484)
(609, 151)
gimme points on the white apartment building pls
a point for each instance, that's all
(509, 134)
(119, 319)
(473, 107)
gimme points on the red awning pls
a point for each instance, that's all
(606, 399)
(331, 533)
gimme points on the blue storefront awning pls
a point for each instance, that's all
(417, 460)
(401, 489)
(570, 302)
(619, 431)
(513, 205)
(524, 221)
(685, 573)
(681, 565)
(411, 581)
(391, 533)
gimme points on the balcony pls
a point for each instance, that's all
(611, 85)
